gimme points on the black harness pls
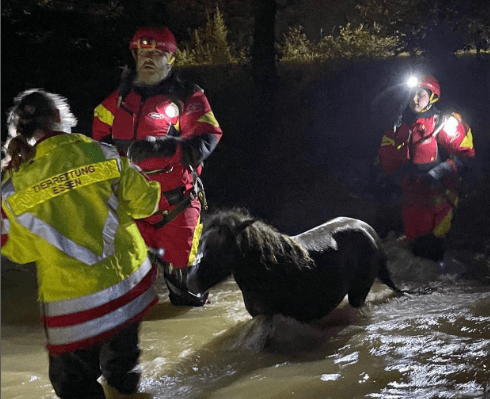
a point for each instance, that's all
(196, 192)
(178, 90)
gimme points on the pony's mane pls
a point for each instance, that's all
(273, 247)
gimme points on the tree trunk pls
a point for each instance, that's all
(262, 132)
(264, 69)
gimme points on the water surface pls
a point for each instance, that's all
(434, 343)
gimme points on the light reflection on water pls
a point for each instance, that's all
(417, 346)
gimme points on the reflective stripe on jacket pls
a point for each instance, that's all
(419, 143)
(71, 211)
(192, 121)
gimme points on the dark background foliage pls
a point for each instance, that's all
(303, 151)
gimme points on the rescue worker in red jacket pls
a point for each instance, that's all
(166, 126)
(68, 204)
(425, 156)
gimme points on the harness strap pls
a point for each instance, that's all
(168, 216)
(156, 171)
(197, 191)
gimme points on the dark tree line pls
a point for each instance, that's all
(438, 28)
(56, 44)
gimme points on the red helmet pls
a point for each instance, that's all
(430, 83)
(154, 38)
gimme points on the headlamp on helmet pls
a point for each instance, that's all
(412, 82)
(154, 38)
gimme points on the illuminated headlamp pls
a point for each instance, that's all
(412, 81)
(146, 42)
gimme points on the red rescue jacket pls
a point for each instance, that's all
(417, 148)
(169, 109)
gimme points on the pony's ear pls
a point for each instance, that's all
(243, 225)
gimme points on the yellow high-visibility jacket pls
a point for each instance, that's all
(70, 209)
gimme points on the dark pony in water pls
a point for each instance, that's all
(304, 277)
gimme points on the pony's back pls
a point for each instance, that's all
(322, 237)
(304, 277)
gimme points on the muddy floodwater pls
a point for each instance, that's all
(434, 343)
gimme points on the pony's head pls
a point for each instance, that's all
(219, 248)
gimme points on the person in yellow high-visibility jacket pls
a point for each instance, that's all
(68, 204)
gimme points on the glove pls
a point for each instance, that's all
(121, 145)
(434, 176)
(156, 256)
(142, 149)
(107, 139)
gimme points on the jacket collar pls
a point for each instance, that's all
(55, 139)
(422, 115)
(47, 136)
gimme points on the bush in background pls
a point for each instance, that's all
(352, 42)
(209, 46)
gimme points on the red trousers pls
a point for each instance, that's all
(423, 219)
(178, 238)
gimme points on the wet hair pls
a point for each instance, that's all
(34, 109)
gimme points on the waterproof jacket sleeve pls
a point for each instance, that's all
(199, 128)
(17, 242)
(456, 137)
(140, 196)
(104, 117)
(393, 151)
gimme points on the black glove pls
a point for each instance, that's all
(123, 145)
(434, 176)
(141, 149)
(107, 139)
(156, 256)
